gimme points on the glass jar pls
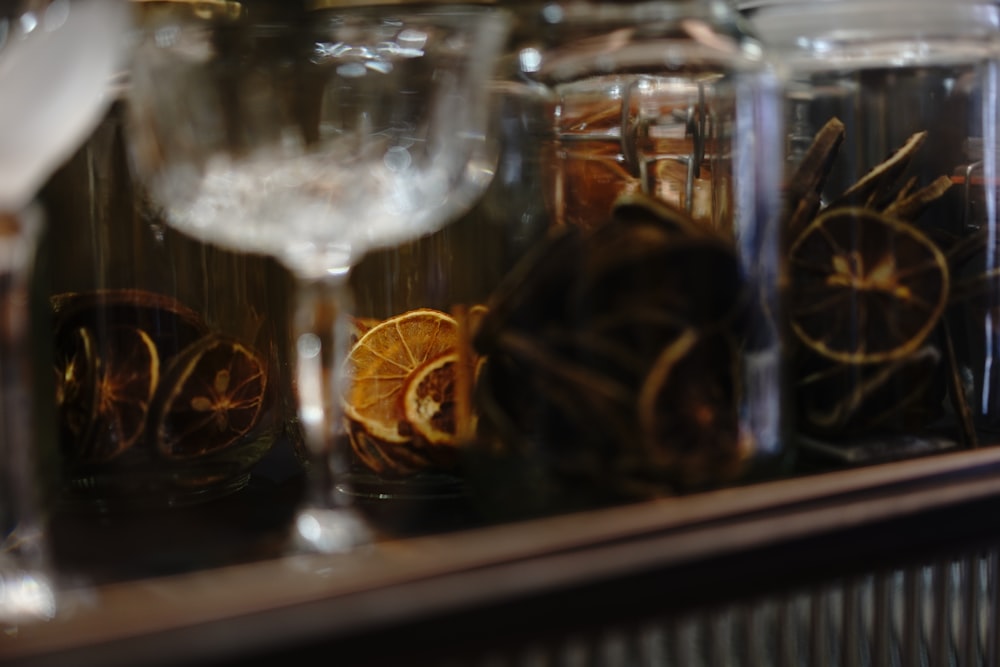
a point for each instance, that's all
(170, 355)
(631, 347)
(890, 223)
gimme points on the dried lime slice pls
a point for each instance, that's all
(865, 287)
(212, 395)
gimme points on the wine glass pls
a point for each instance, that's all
(56, 58)
(316, 138)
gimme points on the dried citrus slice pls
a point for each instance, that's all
(128, 369)
(378, 366)
(359, 326)
(212, 394)
(865, 287)
(429, 399)
(76, 387)
(389, 459)
(843, 399)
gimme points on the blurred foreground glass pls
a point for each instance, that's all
(27, 471)
(315, 142)
(633, 350)
(891, 223)
(55, 59)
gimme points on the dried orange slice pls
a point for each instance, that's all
(378, 366)
(128, 369)
(359, 326)
(865, 287)
(429, 400)
(212, 394)
(396, 459)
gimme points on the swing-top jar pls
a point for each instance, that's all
(890, 222)
(633, 351)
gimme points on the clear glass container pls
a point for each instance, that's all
(170, 356)
(631, 346)
(890, 223)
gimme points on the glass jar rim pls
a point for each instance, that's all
(808, 24)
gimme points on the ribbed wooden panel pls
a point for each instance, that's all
(938, 614)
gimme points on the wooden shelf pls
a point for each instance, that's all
(223, 612)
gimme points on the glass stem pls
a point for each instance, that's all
(320, 341)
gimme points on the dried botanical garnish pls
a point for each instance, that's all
(850, 399)
(867, 287)
(103, 390)
(128, 370)
(133, 367)
(390, 459)
(609, 351)
(378, 367)
(212, 395)
(868, 292)
(402, 403)
(109, 348)
(429, 399)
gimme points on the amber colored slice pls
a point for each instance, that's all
(429, 400)
(389, 459)
(378, 367)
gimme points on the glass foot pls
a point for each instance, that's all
(25, 596)
(326, 530)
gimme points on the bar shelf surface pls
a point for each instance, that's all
(711, 545)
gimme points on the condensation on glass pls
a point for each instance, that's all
(890, 223)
